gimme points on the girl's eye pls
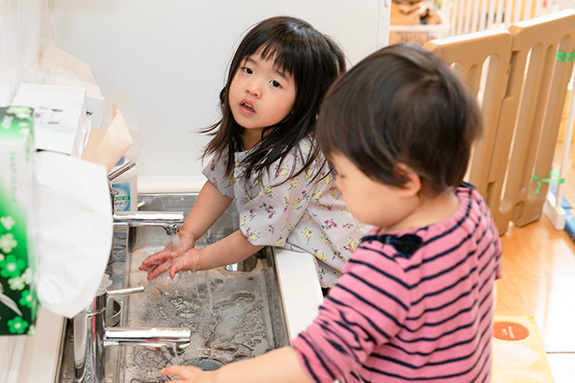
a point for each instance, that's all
(246, 70)
(275, 84)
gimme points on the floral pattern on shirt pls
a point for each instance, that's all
(301, 214)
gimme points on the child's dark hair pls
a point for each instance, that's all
(402, 105)
(314, 60)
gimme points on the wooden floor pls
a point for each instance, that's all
(539, 280)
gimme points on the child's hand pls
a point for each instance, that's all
(187, 374)
(159, 262)
(185, 261)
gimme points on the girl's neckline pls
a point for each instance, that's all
(251, 138)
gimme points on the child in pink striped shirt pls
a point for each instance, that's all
(415, 301)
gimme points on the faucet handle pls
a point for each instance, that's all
(127, 291)
(100, 301)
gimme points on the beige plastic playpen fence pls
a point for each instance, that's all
(520, 76)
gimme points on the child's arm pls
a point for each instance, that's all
(277, 366)
(231, 249)
(208, 207)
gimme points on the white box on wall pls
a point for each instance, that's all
(59, 116)
(59, 68)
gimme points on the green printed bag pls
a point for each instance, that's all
(18, 302)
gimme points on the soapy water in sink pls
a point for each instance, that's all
(227, 312)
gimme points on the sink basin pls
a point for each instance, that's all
(233, 312)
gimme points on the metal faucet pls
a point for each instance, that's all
(170, 221)
(91, 337)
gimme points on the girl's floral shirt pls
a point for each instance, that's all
(302, 214)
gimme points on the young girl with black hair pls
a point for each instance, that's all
(266, 159)
(415, 301)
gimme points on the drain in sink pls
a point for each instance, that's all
(206, 364)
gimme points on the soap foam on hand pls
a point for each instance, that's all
(175, 240)
(163, 265)
(189, 261)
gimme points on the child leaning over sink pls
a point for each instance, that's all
(266, 159)
(415, 301)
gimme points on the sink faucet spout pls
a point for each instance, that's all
(92, 337)
(175, 340)
(170, 221)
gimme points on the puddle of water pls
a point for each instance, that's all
(227, 312)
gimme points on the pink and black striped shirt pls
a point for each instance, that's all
(415, 306)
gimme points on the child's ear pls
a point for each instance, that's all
(412, 186)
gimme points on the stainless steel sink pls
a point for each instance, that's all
(234, 313)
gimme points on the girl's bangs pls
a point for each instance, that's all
(279, 54)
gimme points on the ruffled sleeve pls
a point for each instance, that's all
(215, 172)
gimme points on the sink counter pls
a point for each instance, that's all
(300, 287)
(34, 359)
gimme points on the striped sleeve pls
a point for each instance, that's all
(357, 316)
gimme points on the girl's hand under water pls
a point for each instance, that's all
(158, 265)
(161, 261)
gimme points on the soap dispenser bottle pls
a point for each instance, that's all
(125, 188)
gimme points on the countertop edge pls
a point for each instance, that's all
(301, 291)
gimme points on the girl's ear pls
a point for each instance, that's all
(413, 184)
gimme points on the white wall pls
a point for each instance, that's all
(22, 28)
(170, 58)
